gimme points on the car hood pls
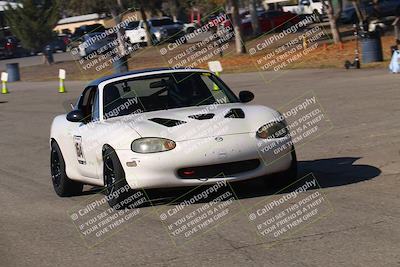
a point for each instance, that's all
(201, 121)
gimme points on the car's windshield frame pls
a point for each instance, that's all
(102, 87)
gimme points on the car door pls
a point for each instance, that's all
(87, 146)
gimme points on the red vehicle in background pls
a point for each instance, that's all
(10, 47)
(276, 20)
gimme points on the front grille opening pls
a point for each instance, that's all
(212, 171)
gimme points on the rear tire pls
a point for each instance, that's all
(117, 189)
(63, 186)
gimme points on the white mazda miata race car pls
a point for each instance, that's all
(165, 128)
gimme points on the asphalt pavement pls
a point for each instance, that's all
(356, 163)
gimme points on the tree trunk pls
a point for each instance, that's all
(121, 64)
(173, 8)
(146, 26)
(240, 48)
(376, 11)
(333, 18)
(396, 24)
(356, 5)
(335, 30)
(254, 17)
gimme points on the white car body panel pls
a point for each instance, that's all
(158, 170)
(136, 36)
(301, 9)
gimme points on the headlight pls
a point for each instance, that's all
(276, 129)
(152, 145)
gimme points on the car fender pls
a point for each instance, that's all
(61, 132)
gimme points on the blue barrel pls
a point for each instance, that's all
(13, 72)
(371, 47)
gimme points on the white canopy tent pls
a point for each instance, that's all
(4, 4)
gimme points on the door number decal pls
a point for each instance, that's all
(78, 149)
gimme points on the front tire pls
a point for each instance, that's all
(63, 186)
(288, 176)
(284, 178)
(117, 189)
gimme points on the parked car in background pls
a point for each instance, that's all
(305, 7)
(85, 29)
(94, 44)
(11, 47)
(59, 43)
(187, 27)
(383, 9)
(270, 20)
(135, 33)
(77, 37)
(8, 47)
(161, 29)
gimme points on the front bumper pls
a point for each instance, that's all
(160, 170)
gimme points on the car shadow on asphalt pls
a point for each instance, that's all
(330, 172)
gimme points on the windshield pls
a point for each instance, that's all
(132, 25)
(164, 91)
(161, 22)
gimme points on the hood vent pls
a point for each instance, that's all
(202, 116)
(235, 113)
(167, 122)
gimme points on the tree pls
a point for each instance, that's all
(334, 16)
(32, 23)
(356, 5)
(145, 23)
(254, 17)
(237, 27)
(174, 8)
(121, 65)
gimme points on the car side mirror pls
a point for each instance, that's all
(75, 116)
(246, 96)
